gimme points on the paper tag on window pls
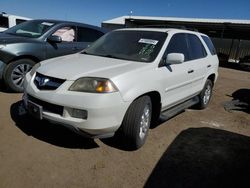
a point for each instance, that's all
(47, 23)
(148, 41)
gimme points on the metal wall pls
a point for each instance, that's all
(232, 41)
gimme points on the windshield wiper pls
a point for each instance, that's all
(84, 52)
(112, 56)
(20, 34)
(103, 55)
(108, 55)
(9, 33)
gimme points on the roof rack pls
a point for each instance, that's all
(169, 26)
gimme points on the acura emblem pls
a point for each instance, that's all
(42, 81)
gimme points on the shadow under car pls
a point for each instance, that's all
(45, 131)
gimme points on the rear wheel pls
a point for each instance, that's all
(136, 122)
(15, 73)
(205, 95)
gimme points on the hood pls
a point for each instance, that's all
(75, 66)
(6, 38)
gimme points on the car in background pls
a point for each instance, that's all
(28, 43)
(8, 20)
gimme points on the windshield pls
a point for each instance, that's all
(141, 46)
(32, 29)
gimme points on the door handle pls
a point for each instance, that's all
(190, 71)
(208, 66)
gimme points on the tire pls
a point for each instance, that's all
(136, 122)
(205, 95)
(14, 73)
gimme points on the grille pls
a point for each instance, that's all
(53, 108)
(44, 82)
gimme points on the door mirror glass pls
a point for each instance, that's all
(54, 39)
(175, 58)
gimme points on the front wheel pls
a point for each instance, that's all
(205, 95)
(136, 122)
(15, 73)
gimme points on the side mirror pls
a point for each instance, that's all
(175, 58)
(54, 39)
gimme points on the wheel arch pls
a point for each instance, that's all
(16, 87)
(155, 97)
(31, 57)
(212, 78)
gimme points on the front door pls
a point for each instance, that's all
(67, 46)
(176, 79)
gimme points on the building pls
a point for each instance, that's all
(230, 37)
(8, 20)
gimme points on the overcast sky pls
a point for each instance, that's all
(96, 11)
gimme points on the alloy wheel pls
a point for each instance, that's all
(18, 74)
(145, 122)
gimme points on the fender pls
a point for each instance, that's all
(2, 67)
(16, 51)
(130, 94)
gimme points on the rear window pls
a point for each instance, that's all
(87, 34)
(4, 22)
(209, 44)
(196, 48)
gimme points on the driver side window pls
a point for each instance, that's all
(66, 33)
(178, 44)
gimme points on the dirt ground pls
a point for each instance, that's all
(39, 154)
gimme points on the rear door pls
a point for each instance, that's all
(197, 61)
(85, 36)
(68, 44)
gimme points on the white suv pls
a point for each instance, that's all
(7, 21)
(123, 81)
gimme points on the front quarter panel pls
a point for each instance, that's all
(135, 84)
(11, 51)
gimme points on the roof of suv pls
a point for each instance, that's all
(162, 30)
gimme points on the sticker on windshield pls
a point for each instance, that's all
(148, 41)
(47, 23)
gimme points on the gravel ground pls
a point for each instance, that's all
(40, 154)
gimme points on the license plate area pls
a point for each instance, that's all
(35, 110)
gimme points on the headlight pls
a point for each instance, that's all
(33, 70)
(93, 85)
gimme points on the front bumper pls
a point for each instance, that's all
(105, 111)
(2, 66)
